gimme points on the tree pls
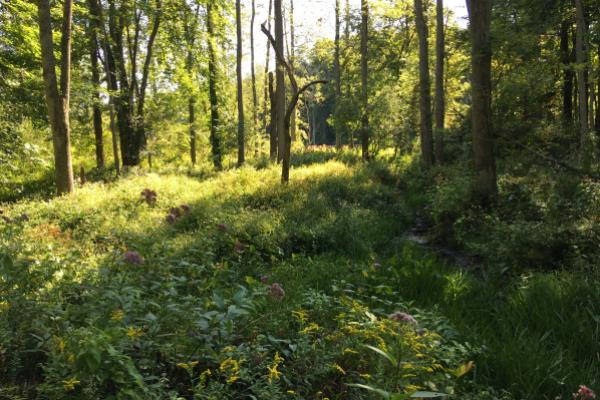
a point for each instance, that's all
(279, 82)
(215, 135)
(364, 32)
(480, 16)
(566, 60)
(96, 110)
(240, 92)
(337, 72)
(584, 141)
(253, 73)
(57, 98)
(425, 88)
(190, 27)
(440, 106)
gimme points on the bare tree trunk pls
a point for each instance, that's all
(280, 83)
(598, 104)
(425, 88)
(347, 45)
(584, 141)
(267, 98)
(96, 110)
(337, 72)
(253, 72)
(364, 32)
(567, 89)
(215, 134)
(440, 101)
(480, 15)
(272, 128)
(190, 28)
(292, 64)
(240, 92)
(57, 99)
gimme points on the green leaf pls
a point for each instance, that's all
(383, 353)
(427, 395)
(381, 392)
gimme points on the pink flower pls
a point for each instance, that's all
(170, 218)
(276, 291)
(185, 208)
(584, 393)
(175, 211)
(133, 258)
(403, 317)
(149, 196)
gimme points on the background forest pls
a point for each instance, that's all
(209, 199)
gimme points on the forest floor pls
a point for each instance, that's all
(234, 286)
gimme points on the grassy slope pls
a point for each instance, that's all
(331, 239)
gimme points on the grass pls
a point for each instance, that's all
(202, 317)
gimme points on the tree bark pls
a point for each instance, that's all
(253, 72)
(283, 136)
(425, 88)
(240, 92)
(190, 28)
(293, 126)
(215, 134)
(57, 100)
(364, 32)
(272, 128)
(480, 15)
(347, 45)
(268, 104)
(584, 141)
(440, 101)
(567, 88)
(337, 72)
(96, 110)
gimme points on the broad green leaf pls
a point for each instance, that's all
(383, 353)
(381, 392)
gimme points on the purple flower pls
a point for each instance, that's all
(584, 393)
(264, 279)
(175, 211)
(185, 208)
(403, 317)
(170, 218)
(24, 217)
(276, 291)
(239, 247)
(222, 227)
(133, 258)
(149, 196)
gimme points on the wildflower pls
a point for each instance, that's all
(134, 332)
(176, 211)
(149, 196)
(133, 258)
(337, 367)
(60, 344)
(117, 315)
(264, 279)
(584, 393)
(188, 366)
(7, 219)
(69, 384)
(276, 291)
(170, 218)
(24, 217)
(185, 208)
(300, 315)
(231, 368)
(403, 317)
(222, 227)
(239, 247)
(313, 327)
(71, 358)
(274, 373)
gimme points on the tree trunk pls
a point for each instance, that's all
(480, 15)
(337, 72)
(240, 92)
(582, 91)
(280, 84)
(190, 28)
(347, 45)
(440, 101)
(567, 89)
(268, 104)
(253, 72)
(215, 134)
(272, 128)
(292, 64)
(598, 104)
(57, 100)
(96, 110)
(425, 88)
(364, 27)
(192, 123)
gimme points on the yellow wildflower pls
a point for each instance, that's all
(274, 373)
(313, 327)
(70, 384)
(300, 315)
(134, 332)
(231, 368)
(71, 358)
(337, 367)
(117, 315)
(60, 344)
